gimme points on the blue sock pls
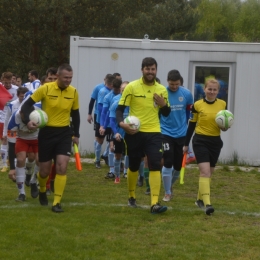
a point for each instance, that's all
(167, 179)
(126, 163)
(106, 152)
(111, 156)
(98, 151)
(141, 169)
(117, 167)
(95, 144)
(175, 176)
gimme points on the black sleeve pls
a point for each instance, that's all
(190, 130)
(75, 121)
(165, 111)
(27, 108)
(119, 113)
(91, 105)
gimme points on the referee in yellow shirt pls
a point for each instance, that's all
(60, 101)
(146, 99)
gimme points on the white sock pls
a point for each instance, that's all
(20, 177)
(29, 166)
(4, 153)
(34, 176)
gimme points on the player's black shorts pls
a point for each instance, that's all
(207, 148)
(172, 151)
(107, 132)
(119, 147)
(95, 122)
(54, 141)
(141, 144)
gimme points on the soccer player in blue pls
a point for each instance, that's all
(105, 124)
(100, 138)
(173, 128)
(90, 119)
(118, 134)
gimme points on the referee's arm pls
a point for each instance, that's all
(27, 108)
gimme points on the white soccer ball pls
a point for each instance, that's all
(133, 120)
(224, 119)
(39, 117)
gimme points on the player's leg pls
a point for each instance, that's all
(11, 156)
(153, 150)
(62, 152)
(168, 148)
(146, 176)
(29, 167)
(177, 158)
(4, 154)
(21, 149)
(117, 159)
(134, 145)
(140, 181)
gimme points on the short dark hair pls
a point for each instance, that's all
(51, 70)
(22, 90)
(116, 74)
(117, 83)
(34, 73)
(64, 67)
(174, 75)
(109, 79)
(149, 61)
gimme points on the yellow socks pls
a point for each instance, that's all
(42, 182)
(131, 182)
(155, 186)
(204, 190)
(59, 186)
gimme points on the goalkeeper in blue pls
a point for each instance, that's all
(174, 128)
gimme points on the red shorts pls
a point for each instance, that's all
(1, 130)
(29, 146)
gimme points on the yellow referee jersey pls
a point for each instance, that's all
(57, 103)
(139, 97)
(204, 113)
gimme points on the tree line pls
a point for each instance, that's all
(36, 34)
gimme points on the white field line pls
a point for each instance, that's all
(77, 204)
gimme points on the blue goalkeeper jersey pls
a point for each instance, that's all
(175, 124)
(112, 115)
(101, 95)
(94, 95)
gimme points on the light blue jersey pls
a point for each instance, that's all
(94, 95)
(112, 115)
(101, 95)
(175, 125)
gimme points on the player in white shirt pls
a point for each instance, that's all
(7, 83)
(33, 77)
(27, 141)
(10, 136)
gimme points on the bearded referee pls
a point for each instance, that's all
(60, 101)
(146, 98)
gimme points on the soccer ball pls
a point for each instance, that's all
(133, 120)
(224, 119)
(39, 117)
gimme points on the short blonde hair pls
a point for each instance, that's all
(214, 81)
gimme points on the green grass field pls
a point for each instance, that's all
(98, 224)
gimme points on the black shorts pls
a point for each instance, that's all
(173, 151)
(107, 132)
(207, 148)
(141, 144)
(119, 147)
(95, 122)
(54, 141)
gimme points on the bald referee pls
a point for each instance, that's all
(60, 101)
